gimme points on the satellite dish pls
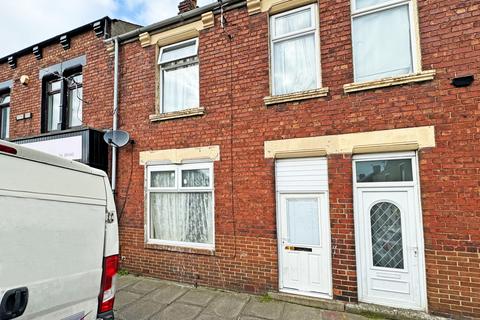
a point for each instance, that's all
(117, 138)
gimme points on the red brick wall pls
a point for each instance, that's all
(234, 79)
(341, 223)
(97, 84)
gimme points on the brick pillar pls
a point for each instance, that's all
(342, 225)
(186, 5)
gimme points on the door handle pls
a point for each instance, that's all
(14, 303)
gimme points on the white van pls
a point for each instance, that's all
(58, 238)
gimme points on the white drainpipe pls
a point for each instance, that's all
(115, 115)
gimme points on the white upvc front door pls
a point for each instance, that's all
(305, 245)
(389, 234)
(303, 225)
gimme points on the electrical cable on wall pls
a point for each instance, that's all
(120, 213)
(223, 22)
(76, 84)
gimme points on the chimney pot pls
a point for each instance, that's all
(186, 5)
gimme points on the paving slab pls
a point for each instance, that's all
(124, 298)
(297, 312)
(227, 305)
(199, 297)
(350, 316)
(140, 310)
(325, 304)
(166, 294)
(209, 317)
(178, 311)
(144, 298)
(332, 315)
(271, 310)
(143, 286)
(125, 281)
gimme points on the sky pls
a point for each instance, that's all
(26, 22)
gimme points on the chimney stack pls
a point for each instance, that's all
(186, 5)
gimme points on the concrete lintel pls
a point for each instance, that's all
(178, 156)
(405, 139)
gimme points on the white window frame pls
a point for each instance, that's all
(386, 156)
(179, 189)
(161, 69)
(315, 29)
(414, 30)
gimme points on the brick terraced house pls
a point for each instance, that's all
(56, 96)
(320, 148)
(327, 149)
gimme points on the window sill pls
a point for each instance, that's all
(177, 114)
(173, 248)
(388, 82)
(310, 94)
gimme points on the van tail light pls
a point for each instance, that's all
(109, 277)
(7, 149)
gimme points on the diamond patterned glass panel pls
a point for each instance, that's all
(386, 226)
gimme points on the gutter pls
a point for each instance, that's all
(195, 13)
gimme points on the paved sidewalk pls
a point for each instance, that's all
(144, 298)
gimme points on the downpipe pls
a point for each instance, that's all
(115, 113)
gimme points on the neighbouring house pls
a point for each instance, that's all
(319, 148)
(56, 96)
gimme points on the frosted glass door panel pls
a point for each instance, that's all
(303, 221)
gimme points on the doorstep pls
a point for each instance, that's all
(333, 305)
(388, 312)
(364, 309)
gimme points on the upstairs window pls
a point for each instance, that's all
(54, 102)
(4, 115)
(295, 50)
(63, 106)
(384, 39)
(179, 76)
(74, 97)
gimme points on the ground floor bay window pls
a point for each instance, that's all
(180, 205)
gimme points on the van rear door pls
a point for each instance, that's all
(52, 229)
